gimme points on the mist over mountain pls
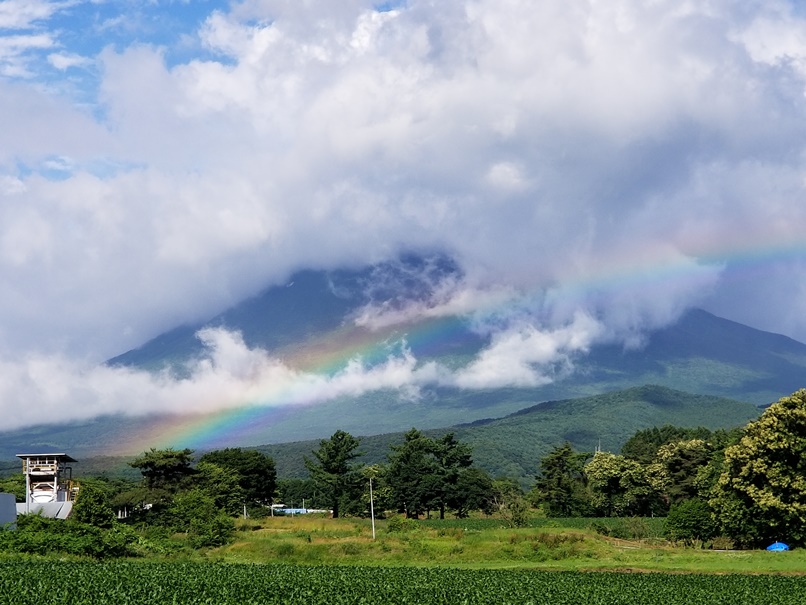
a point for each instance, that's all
(573, 181)
(329, 310)
(286, 319)
(382, 348)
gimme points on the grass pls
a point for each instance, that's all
(309, 540)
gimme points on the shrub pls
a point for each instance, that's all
(42, 536)
(92, 507)
(690, 521)
(401, 524)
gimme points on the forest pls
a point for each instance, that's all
(743, 488)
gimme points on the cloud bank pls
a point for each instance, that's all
(607, 164)
(231, 375)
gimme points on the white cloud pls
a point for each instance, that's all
(22, 14)
(617, 160)
(14, 50)
(527, 356)
(232, 375)
(65, 61)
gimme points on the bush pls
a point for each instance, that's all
(214, 531)
(690, 521)
(401, 524)
(92, 507)
(195, 514)
(42, 536)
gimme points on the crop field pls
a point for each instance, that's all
(76, 583)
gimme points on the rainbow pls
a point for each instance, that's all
(328, 354)
(322, 356)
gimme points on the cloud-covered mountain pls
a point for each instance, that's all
(593, 169)
(390, 346)
(328, 321)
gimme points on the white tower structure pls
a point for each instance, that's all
(49, 485)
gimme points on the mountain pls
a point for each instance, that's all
(512, 446)
(313, 311)
(314, 314)
(313, 318)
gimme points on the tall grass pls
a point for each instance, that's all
(483, 544)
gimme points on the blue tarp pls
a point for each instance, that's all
(778, 546)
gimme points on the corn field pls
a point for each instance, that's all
(78, 583)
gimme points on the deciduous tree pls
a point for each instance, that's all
(760, 496)
(92, 507)
(256, 472)
(620, 486)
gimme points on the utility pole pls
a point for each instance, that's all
(371, 507)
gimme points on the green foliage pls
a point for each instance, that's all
(334, 473)
(691, 521)
(515, 511)
(15, 484)
(256, 472)
(682, 465)
(42, 536)
(222, 485)
(620, 487)
(509, 503)
(413, 474)
(760, 496)
(195, 513)
(473, 491)
(168, 583)
(92, 507)
(451, 457)
(401, 524)
(628, 528)
(644, 444)
(561, 485)
(426, 474)
(620, 527)
(141, 503)
(292, 492)
(164, 469)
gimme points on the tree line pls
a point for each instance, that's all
(747, 485)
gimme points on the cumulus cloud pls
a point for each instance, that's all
(528, 356)
(618, 161)
(230, 374)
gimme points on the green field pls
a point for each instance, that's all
(307, 559)
(549, 544)
(123, 583)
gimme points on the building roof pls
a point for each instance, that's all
(60, 456)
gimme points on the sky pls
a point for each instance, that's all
(595, 168)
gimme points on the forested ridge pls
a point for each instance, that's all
(742, 487)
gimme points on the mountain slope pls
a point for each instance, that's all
(512, 446)
(312, 317)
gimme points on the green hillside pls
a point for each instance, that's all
(309, 318)
(513, 445)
